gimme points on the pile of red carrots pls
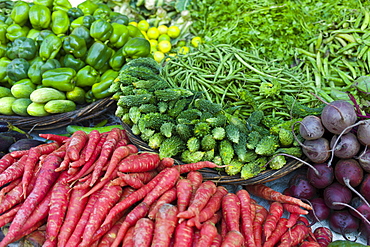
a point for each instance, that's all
(97, 189)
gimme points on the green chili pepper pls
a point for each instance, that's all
(17, 69)
(60, 78)
(70, 61)
(64, 5)
(120, 35)
(20, 12)
(59, 22)
(100, 90)
(74, 13)
(117, 60)
(40, 16)
(34, 72)
(101, 30)
(22, 47)
(75, 45)
(4, 61)
(98, 55)
(136, 47)
(50, 47)
(15, 31)
(87, 76)
(88, 7)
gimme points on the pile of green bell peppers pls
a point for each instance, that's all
(49, 43)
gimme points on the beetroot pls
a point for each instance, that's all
(323, 178)
(300, 187)
(347, 146)
(350, 169)
(320, 210)
(311, 128)
(341, 221)
(316, 150)
(337, 192)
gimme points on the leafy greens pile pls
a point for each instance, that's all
(275, 28)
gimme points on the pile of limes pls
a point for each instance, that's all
(164, 40)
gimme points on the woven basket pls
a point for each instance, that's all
(63, 119)
(221, 177)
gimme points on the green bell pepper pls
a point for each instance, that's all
(4, 61)
(40, 16)
(77, 95)
(109, 73)
(87, 76)
(22, 47)
(117, 60)
(74, 13)
(47, 3)
(75, 45)
(70, 61)
(98, 54)
(34, 72)
(100, 90)
(17, 69)
(83, 33)
(33, 34)
(49, 65)
(88, 7)
(3, 49)
(25, 82)
(60, 78)
(42, 35)
(64, 5)
(89, 97)
(15, 31)
(102, 12)
(85, 21)
(101, 30)
(20, 12)
(3, 28)
(59, 22)
(50, 47)
(119, 36)
(119, 18)
(136, 47)
(134, 32)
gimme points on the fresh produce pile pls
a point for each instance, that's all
(55, 57)
(96, 189)
(180, 122)
(337, 180)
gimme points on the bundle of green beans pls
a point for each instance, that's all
(337, 57)
(223, 73)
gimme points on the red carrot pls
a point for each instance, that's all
(76, 206)
(183, 236)
(323, 235)
(166, 162)
(212, 206)
(164, 226)
(223, 228)
(231, 211)
(275, 212)
(294, 236)
(33, 157)
(80, 162)
(107, 149)
(196, 166)
(48, 148)
(143, 232)
(78, 141)
(8, 188)
(293, 217)
(208, 232)
(184, 192)
(196, 179)
(44, 182)
(108, 238)
(14, 171)
(58, 207)
(233, 239)
(202, 196)
(281, 228)
(119, 154)
(196, 237)
(53, 137)
(75, 237)
(19, 153)
(217, 241)
(136, 179)
(93, 140)
(167, 197)
(109, 196)
(292, 208)
(269, 194)
(143, 162)
(99, 185)
(246, 217)
(310, 244)
(9, 215)
(259, 219)
(6, 161)
(128, 240)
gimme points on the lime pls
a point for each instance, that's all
(196, 41)
(173, 32)
(133, 23)
(184, 50)
(162, 29)
(143, 25)
(158, 56)
(164, 46)
(153, 33)
(164, 37)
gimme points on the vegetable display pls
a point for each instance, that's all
(173, 204)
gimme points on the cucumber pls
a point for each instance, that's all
(5, 92)
(45, 94)
(37, 110)
(22, 90)
(60, 106)
(20, 105)
(6, 105)
(345, 243)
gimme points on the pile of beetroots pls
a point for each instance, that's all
(337, 180)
